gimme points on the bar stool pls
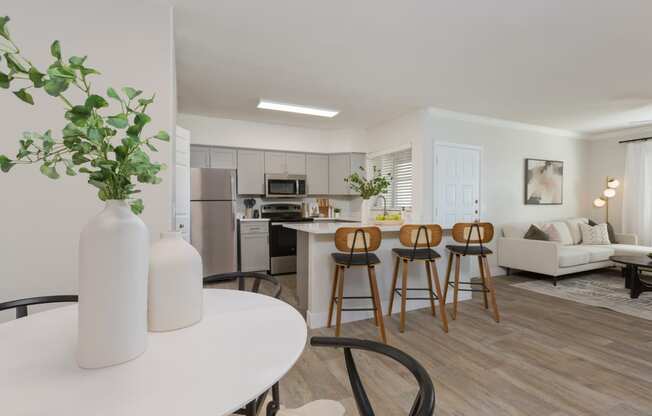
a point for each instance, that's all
(421, 239)
(462, 233)
(349, 241)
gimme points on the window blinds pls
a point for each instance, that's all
(399, 166)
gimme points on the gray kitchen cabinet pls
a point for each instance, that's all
(317, 174)
(295, 163)
(254, 247)
(275, 163)
(340, 166)
(200, 157)
(223, 158)
(251, 172)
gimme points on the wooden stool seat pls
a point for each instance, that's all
(419, 254)
(355, 245)
(470, 250)
(356, 259)
(472, 246)
(421, 239)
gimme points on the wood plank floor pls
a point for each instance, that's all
(547, 357)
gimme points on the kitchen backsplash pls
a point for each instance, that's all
(349, 205)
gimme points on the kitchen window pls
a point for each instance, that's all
(399, 166)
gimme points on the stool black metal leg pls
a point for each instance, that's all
(430, 295)
(393, 286)
(404, 295)
(442, 300)
(457, 284)
(333, 293)
(448, 274)
(484, 282)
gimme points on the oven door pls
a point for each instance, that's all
(283, 249)
(281, 188)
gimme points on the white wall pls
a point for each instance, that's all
(249, 134)
(608, 159)
(130, 43)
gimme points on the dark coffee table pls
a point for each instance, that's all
(633, 266)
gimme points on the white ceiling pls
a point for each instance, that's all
(579, 65)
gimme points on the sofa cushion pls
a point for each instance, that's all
(610, 230)
(536, 233)
(599, 253)
(573, 227)
(572, 256)
(594, 235)
(558, 231)
(516, 229)
(630, 250)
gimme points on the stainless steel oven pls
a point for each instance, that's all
(285, 186)
(282, 241)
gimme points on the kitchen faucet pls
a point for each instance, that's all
(384, 204)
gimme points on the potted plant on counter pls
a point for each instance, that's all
(110, 146)
(367, 188)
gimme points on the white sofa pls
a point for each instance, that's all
(555, 259)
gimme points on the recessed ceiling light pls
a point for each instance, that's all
(293, 108)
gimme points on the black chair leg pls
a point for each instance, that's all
(275, 404)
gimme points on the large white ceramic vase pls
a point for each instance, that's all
(175, 284)
(113, 267)
(365, 211)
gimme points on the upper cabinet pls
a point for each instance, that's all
(295, 163)
(281, 163)
(251, 172)
(200, 157)
(317, 174)
(213, 157)
(340, 166)
(224, 158)
(275, 163)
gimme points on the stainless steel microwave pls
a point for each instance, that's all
(285, 186)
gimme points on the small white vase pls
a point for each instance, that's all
(113, 265)
(175, 284)
(365, 211)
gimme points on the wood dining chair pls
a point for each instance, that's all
(420, 238)
(473, 236)
(252, 408)
(356, 246)
(21, 304)
(424, 403)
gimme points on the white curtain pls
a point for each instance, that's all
(637, 204)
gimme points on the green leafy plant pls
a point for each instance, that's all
(110, 149)
(376, 185)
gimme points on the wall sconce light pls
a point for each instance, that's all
(608, 193)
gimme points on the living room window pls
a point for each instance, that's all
(399, 165)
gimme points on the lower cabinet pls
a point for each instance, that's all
(253, 252)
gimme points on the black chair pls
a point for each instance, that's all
(253, 407)
(424, 404)
(22, 304)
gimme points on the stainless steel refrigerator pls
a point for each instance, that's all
(212, 218)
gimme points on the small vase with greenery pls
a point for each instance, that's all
(375, 185)
(110, 148)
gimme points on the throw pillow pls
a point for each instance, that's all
(558, 231)
(595, 235)
(573, 226)
(535, 233)
(610, 230)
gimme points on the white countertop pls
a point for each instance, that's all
(253, 219)
(330, 227)
(341, 219)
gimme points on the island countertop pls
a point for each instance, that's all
(331, 227)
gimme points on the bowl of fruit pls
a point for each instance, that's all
(388, 219)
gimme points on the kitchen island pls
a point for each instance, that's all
(315, 269)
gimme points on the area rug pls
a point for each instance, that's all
(604, 290)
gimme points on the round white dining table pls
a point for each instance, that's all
(244, 344)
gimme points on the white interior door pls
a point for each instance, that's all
(182, 182)
(457, 184)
